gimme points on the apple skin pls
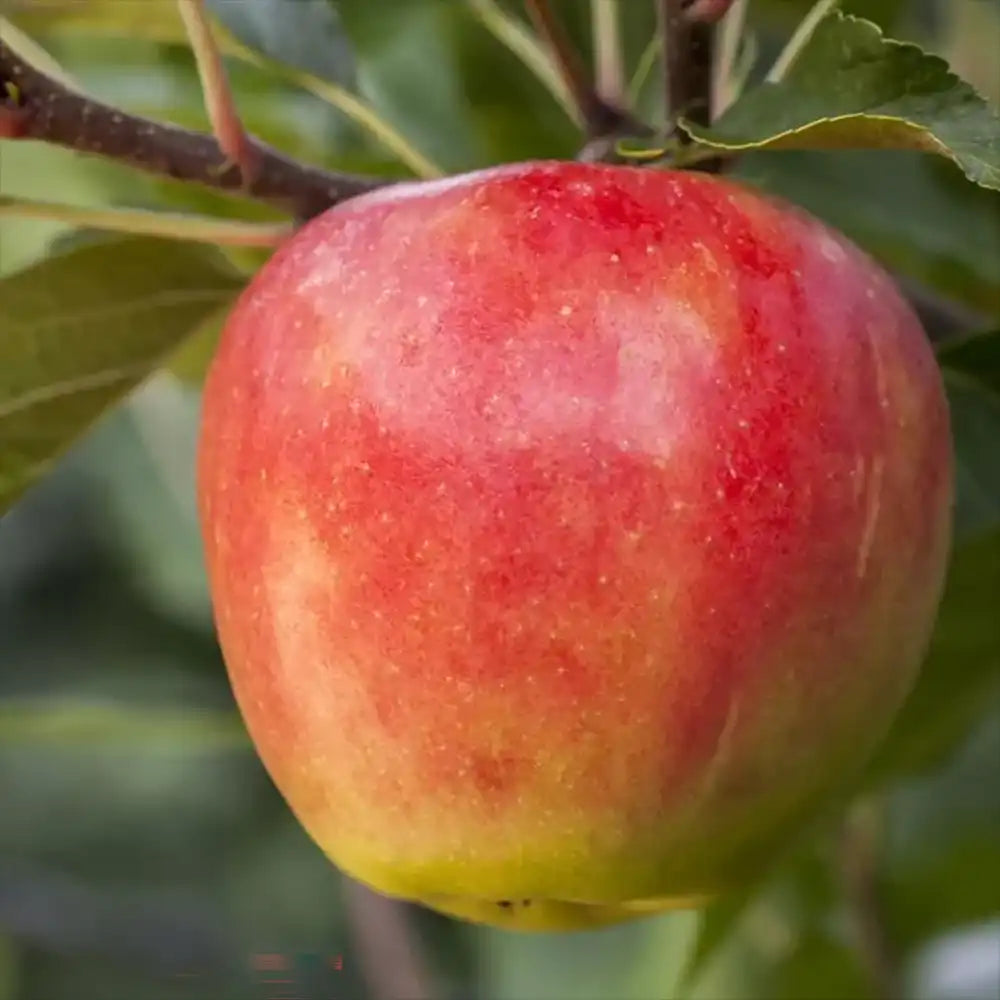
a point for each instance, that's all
(574, 532)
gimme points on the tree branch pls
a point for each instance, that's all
(689, 53)
(33, 105)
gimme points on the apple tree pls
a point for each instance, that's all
(165, 168)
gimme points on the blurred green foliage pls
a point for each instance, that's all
(143, 852)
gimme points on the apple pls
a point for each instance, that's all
(574, 532)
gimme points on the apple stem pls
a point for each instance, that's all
(44, 104)
(35, 105)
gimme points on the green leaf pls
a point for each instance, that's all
(158, 22)
(916, 214)
(631, 961)
(783, 943)
(851, 88)
(976, 356)
(442, 77)
(942, 867)
(512, 32)
(9, 962)
(69, 723)
(962, 670)
(787, 14)
(975, 423)
(306, 34)
(81, 330)
(719, 921)
(190, 363)
(33, 170)
(145, 458)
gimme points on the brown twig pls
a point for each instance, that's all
(390, 957)
(860, 849)
(33, 105)
(600, 118)
(706, 10)
(12, 118)
(688, 54)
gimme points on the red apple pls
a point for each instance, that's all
(574, 532)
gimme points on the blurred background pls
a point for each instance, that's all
(144, 853)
